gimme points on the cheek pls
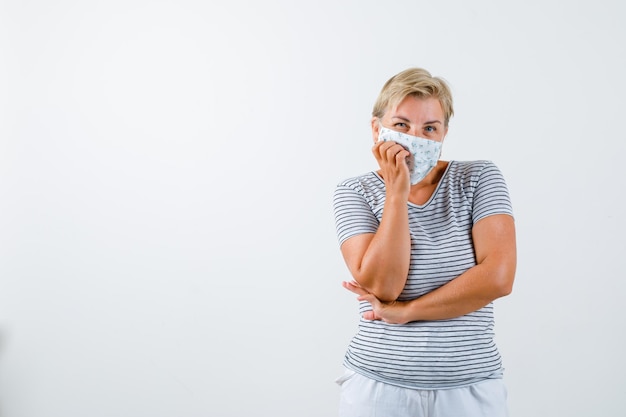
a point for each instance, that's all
(434, 136)
(439, 136)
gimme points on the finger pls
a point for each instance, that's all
(392, 151)
(356, 284)
(384, 149)
(370, 298)
(354, 288)
(402, 154)
(382, 145)
(379, 149)
(399, 155)
(402, 157)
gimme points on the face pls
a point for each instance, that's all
(414, 116)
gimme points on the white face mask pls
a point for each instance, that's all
(424, 152)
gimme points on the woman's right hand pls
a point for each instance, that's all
(391, 158)
(392, 312)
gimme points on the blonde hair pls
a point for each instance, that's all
(415, 82)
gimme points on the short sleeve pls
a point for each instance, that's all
(353, 214)
(491, 195)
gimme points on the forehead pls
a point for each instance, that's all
(417, 108)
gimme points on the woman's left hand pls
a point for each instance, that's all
(392, 312)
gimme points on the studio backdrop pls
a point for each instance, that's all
(167, 242)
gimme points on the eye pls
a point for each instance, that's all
(400, 125)
(430, 129)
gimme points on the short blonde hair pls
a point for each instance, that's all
(415, 82)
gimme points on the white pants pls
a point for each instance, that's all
(365, 397)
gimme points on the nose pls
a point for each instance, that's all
(414, 131)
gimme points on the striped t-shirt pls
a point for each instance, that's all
(428, 354)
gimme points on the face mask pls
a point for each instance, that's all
(424, 152)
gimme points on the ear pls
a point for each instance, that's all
(375, 128)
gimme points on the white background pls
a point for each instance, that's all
(166, 176)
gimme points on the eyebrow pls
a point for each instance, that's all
(430, 122)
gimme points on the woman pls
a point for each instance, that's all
(430, 244)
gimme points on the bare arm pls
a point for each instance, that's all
(379, 261)
(491, 278)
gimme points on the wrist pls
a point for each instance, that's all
(399, 199)
(410, 311)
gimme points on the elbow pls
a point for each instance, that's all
(386, 295)
(503, 282)
(505, 288)
(500, 274)
(381, 289)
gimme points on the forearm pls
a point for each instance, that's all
(491, 278)
(385, 264)
(469, 292)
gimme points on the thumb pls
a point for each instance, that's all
(370, 315)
